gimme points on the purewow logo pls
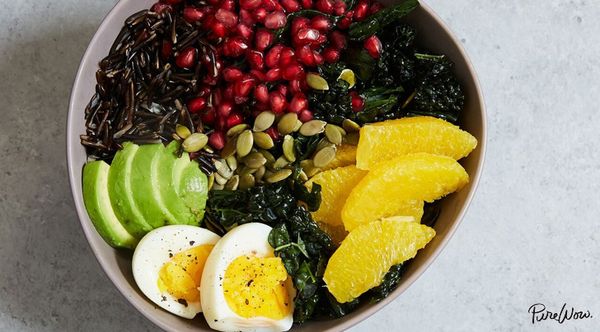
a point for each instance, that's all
(539, 313)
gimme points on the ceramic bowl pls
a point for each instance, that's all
(433, 34)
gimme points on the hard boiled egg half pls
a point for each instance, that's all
(244, 286)
(167, 266)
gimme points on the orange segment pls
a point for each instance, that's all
(368, 252)
(385, 140)
(336, 185)
(395, 184)
(344, 156)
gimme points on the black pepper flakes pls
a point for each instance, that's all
(192, 243)
(183, 302)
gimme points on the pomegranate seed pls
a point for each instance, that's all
(160, 8)
(273, 133)
(244, 31)
(361, 10)
(209, 117)
(292, 72)
(277, 101)
(263, 39)
(273, 75)
(246, 17)
(172, 2)
(214, 2)
(307, 4)
(299, 23)
(298, 103)
(219, 29)
(224, 109)
(196, 105)
(220, 124)
(234, 119)
(339, 7)
(357, 102)
(295, 86)
(192, 14)
(326, 6)
(242, 89)
(321, 40)
(228, 5)
(166, 50)
(260, 14)
(217, 140)
(287, 56)
(338, 40)
(306, 36)
(290, 5)
(232, 74)
(234, 47)
(273, 56)
(250, 4)
(305, 56)
(305, 116)
(373, 46)
(217, 95)
(228, 92)
(258, 75)
(261, 93)
(375, 7)
(186, 58)
(318, 58)
(227, 18)
(255, 59)
(344, 23)
(283, 89)
(331, 55)
(320, 23)
(204, 91)
(275, 20)
(270, 5)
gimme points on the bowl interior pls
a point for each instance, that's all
(117, 264)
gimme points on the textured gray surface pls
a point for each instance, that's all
(531, 234)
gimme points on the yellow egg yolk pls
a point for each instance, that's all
(181, 276)
(255, 286)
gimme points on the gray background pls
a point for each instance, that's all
(531, 234)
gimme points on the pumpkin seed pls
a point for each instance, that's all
(233, 183)
(352, 138)
(218, 187)
(232, 163)
(307, 163)
(313, 127)
(244, 143)
(316, 82)
(324, 142)
(176, 137)
(255, 160)
(333, 134)
(208, 149)
(287, 123)
(237, 129)
(308, 167)
(195, 142)
(246, 181)
(263, 140)
(211, 181)
(348, 76)
(288, 148)
(279, 175)
(247, 170)
(302, 176)
(223, 169)
(324, 156)
(260, 173)
(312, 171)
(182, 131)
(219, 179)
(268, 155)
(350, 126)
(298, 125)
(229, 149)
(263, 121)
(280, 163)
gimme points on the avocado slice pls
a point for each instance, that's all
(192, 188)
(97, 204)
(120, 191)
(145, 181)
(168, 165)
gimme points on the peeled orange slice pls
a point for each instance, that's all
(368, 252)
(384, 140)
(394, 184)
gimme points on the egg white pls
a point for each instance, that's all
(152, 252)
(248, 239)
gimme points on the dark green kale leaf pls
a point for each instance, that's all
(388, 285)
(380, 20)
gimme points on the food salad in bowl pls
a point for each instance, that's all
(263, 165)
